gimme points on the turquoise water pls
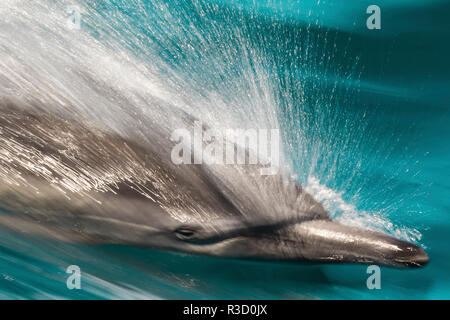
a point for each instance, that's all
(364, 117)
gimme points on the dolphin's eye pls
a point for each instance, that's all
(185, 233)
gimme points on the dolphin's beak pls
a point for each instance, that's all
(324, 241)
(329, 241)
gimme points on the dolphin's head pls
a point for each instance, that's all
(285, 224)
(322, 241)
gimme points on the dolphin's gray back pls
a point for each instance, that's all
(76, 161)
(52, 165)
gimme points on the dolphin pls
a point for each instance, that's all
(69, 179)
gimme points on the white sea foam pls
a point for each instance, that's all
(348, 214)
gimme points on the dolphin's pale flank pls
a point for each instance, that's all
(65, 178)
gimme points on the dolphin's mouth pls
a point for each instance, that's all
(322, 241)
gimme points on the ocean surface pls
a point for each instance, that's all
(364, 116)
